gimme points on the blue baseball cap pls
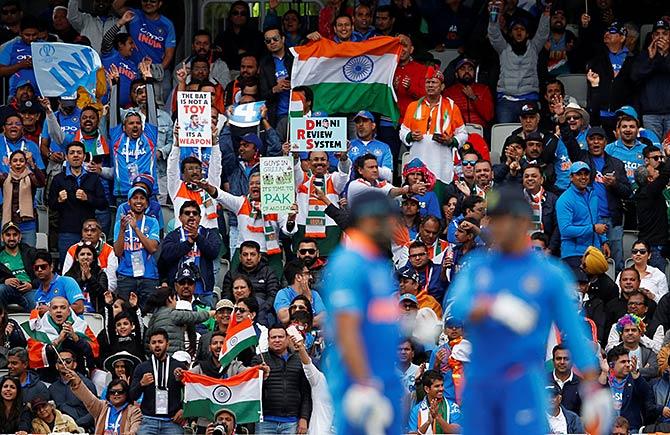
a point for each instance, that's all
(627, 111)
(253, 139)
(364, 114)
(453, 322)
(136, 189)
(579, 166)
(408, 297)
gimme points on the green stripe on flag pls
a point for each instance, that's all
(352, 97)
(246, 412)
(235, 350)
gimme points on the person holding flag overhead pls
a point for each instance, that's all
(433, 130)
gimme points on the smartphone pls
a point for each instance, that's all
(293, 332)
(97, 159)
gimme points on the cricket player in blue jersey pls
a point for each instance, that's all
(363, 320)
(508, 299)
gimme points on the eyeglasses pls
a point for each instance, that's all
(92, 228)
(191, 213)
(573, 117)
(638, 251)
(633, 303)
(116, 392)
(422, 254)
(468, 162)
(272, 39)
(241, 310)
(224, 310)
(309, 251)
(38, 267)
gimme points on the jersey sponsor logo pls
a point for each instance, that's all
(149, 38)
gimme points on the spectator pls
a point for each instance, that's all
(558, 417)
(450, 25)
(473, 99)
(427, 135)
(52, 137)
(411, 219)
(93, 26)
(416, 172)
(651, 278)
(363, 29)
(435, 409)
(473, 206)
(224, 310)
(192, 245)
(146, 182)
(287, 400)
(627, 148)
(24, 92)
(566, 380)
(632, 395)
(52, 285)
(15, 416)
(650, 72)
(48, 419)
(12, 13)
(123, 329)
(291, 24)
(543, 204)
(91, 232)
(166, 318)
(275, 73)
(410, 373)
(201, 46)
(650, 206)
(467, 234)
(431, 277)
(136, 239)
(16, 269)
(159, 381)
(16, 61)
(11, 336)
(210, 365)
(31, 385)
(560, 43)
(637, 305)
(409, 281)
(610, 185)
(75, 194)
(247, 308)
(384, 20)
(629, 282)
(518, 80)
(248, 70)
(119, 49)
(62, 27)
(554, 90)
(367, 178)
(298, 277)
(66, 401)
(630, 328)
(240, 36)
(365, 143)
(89, 276)
(185, 286)
(483, 178)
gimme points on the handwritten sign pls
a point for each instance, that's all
(277, 185)
(195, 119)
(318, 134)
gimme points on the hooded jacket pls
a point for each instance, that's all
(577, 213)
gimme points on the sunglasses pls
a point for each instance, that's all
(40, 267)
(241, 310)
(656, 158)
(116, 392)
(307, 251)
(67, 360)
(191, 213)
(468, 162)
(423, 254)
(573, 117)
(272, 39)
(85, 243)
(638, 251)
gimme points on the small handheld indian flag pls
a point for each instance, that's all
(204, 396)
(239, 336)
(296, 108)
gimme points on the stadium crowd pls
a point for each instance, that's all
(106, 167)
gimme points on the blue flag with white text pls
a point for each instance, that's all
(60, 69)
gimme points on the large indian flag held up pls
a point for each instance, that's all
(349, 76)
(239, 336)
(203, 396)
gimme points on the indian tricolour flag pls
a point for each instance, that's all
(296, 107)
(239, 336)
(349, 76)
(203, 396)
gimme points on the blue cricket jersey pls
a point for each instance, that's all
(632, 158)
(562, 166)
(69, 124)
(63, 286)
(128, 71)
(152, 37)
(131, 243)
(375, 147)
(132, 157)
(7, 148)
(13, 53)
(365, 287)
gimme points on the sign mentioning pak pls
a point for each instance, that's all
(318, 134)
(277, 188)
(195, 119)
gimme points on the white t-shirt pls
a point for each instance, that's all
(408, 377)
(321, 420)
(558, 424)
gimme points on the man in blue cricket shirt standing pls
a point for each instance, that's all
(365, 142)
(16, 59)
(512, 295)
(363, 316)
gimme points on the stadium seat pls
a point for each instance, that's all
(611, 271)
(644, 31)
(445, 57)
(575, 86)
(667, 270)
(475, 128)
(95, 321)
(499, 133)
(42, 219)
(42, 241)
(629, 237)
(19, 317)
(168, 215)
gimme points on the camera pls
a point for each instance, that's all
(220, 429)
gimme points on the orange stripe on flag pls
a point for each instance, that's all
(238, 379)
(377, 46)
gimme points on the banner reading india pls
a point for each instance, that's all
(349, 76)
(204, 396)
(239, 336)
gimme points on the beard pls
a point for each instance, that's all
(467, 80)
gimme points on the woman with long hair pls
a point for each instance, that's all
(19, 186)
(123, 330)
(243, 288)
(91, 278)
(652, 280)
(15, 416)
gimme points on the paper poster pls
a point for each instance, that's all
(195, 119)
(247, 115)
(277, 185)
(318, 134)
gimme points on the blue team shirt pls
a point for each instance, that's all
(562, 166)
(7, 148)
(599, 188)
(285, 297)
(632, 158)
(453, 414)
(69, 124)
(544, 284)
(132, 243)
(63, 286)
(283, 97)
(152, 37)
(375, 147)
(13, 53)
(428, 204)
(128, 71)
(365, 287)
(131, 157)
(154, 210)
